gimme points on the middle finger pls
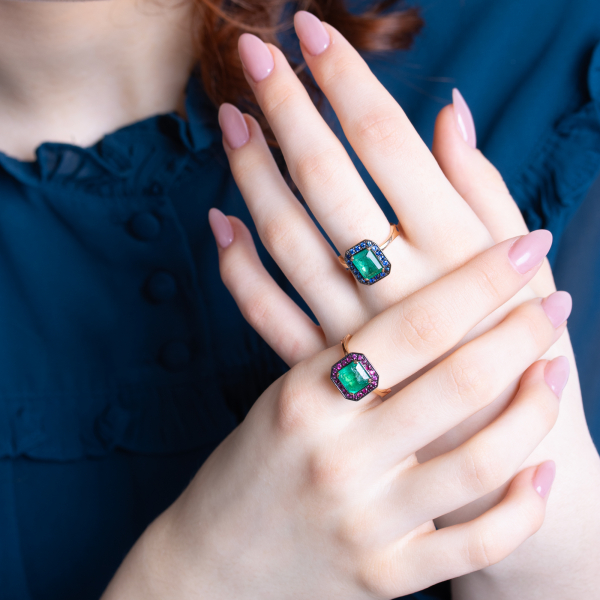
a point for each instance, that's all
(383, 137)
(316, 159)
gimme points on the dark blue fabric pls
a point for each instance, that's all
(124, 360)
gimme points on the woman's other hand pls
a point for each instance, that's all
(315, 496)
(446, 214)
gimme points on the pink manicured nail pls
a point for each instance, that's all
(529, 250)
(221, 227)
(558, 307)
(556, 374)
(311, 32)
(256, 57)
(543, 477)
(233, 125)
(464, 118)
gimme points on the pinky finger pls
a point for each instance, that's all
(269, 310)
(488, 539)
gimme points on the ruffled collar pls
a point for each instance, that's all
(121, 153)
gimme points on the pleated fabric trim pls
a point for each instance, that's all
(551, 187)
(121, 154)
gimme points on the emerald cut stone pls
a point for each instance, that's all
(367, 263)
(354, 377)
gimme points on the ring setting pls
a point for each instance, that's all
(354, 376)
(367, 262)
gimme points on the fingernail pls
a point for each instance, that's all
(233, 125)
(464, 118)
(529, 250)
(556, 374)
(221, 227)
(558, 307)
(311, 32)
(543, 477)
(256, 57)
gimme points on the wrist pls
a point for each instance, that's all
(154, 567)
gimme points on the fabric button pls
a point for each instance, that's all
(175, 356)
(161, 286)
(144, 226)
(156, 188)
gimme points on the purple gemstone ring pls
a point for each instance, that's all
(354, 376)
(366, 261)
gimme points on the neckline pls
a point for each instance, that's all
(118, 151)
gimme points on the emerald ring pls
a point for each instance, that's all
(366, 261)
(354, 376)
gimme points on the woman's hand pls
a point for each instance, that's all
(315, 496)
(439, 230)
(446, 215)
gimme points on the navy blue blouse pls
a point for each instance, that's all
(124, 361)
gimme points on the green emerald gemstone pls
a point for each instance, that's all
(367, 263)
(354, 377)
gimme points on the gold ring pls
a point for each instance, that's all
(366, 261)
(354, 376)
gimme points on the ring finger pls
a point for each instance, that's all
(285, 228)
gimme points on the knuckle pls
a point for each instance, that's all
(353, 529)
(491, 179)
(317, 169)
(277, 235)
(382, 130)
(379, 575)
(465, 381)
(279, 97)
(291, 416)
(489, 280)
(483, 549)
(534, 520)
(478, 475)
(337, 68)
(247, 164)
(528, 520)
(322, 472)
(297, 348)
(546, 408)
(258, 309)
(230, 270)
(423, 325)
(532, 325)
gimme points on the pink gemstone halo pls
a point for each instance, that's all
(358, 358)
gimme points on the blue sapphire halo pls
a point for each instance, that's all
(367, 262)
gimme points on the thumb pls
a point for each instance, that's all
(472, 175)
(479, 183)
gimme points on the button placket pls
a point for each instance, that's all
(160, 287)
(144, 226)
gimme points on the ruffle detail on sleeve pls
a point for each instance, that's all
(567, 162)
